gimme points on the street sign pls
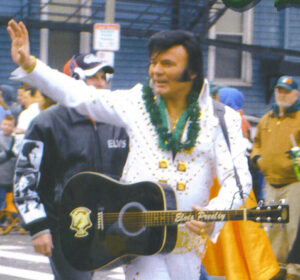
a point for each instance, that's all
(106, 57)
(106, 37)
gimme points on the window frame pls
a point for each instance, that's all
(84, 37)
(246, 63)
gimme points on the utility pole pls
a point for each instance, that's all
(109, 18)
(110, 6)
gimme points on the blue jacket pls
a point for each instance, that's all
(60, 143)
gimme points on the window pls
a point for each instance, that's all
(62, 46)
(57, 46)
(230, 66)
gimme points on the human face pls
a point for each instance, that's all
(25, 98)
(98, 80)
(166, 69)
(7, 126)
(285, 98)
(34, 157)
(20, 96)
(43, 101)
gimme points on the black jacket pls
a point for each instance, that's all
(60, 143)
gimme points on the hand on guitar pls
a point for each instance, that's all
(43, 244)
(198, 227)
(20, 49)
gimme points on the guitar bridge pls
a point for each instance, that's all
(100, 221)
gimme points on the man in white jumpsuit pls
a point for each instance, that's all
(174, 138)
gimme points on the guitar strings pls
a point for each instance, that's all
(159, 216)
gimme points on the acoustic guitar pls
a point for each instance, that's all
(104, 223)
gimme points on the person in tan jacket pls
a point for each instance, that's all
(278, 131)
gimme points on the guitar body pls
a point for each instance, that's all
(104, 224)
(92, 239)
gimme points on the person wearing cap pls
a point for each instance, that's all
(60, 143)
(278, 132)
(91, 69)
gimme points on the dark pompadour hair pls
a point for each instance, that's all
(163, 40)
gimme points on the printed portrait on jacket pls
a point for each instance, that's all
(26, 180)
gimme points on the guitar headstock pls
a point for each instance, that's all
(269, 214)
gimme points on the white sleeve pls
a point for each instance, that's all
(101, 104)
(229, 194)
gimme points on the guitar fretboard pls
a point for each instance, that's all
(161, 218)
(278, 214)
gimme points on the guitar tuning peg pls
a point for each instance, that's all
(281, 201)
(260, 203)
(272, 202)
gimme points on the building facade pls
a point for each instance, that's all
(246, 50)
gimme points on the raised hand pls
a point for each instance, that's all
(20, 49)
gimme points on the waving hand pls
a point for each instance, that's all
(20, 49)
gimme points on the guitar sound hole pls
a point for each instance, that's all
(131, 218)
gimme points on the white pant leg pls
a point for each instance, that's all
(185, 266)
(147, 268)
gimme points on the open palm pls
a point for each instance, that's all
(20, 51)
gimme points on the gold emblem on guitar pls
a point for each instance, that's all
(80, 221)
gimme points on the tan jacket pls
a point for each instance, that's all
(271, 143)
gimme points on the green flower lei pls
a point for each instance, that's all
(171, 141)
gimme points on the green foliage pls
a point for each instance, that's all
(282, 3)
(238, 4)
(242, 5)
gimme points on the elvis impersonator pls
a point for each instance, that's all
(174, 138)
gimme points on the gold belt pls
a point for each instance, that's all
(187, 241)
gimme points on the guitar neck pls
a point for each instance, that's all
(160, 218)
(265, 214)
(172, 217)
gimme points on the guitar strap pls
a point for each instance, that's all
(219, 112)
